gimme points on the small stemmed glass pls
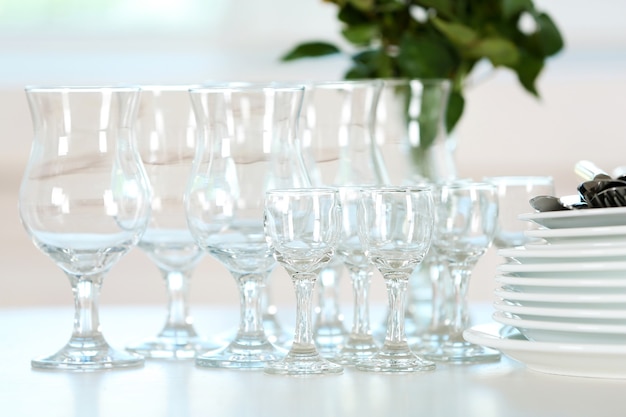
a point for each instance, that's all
(85, 201)
(302, 228)
(395, 228)
(360, 343)
(336, 127)
(514, 194)
(465, 224)
(246, 146)
(166, 136)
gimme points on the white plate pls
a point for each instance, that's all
(564, 332)
(566, 269)
(560, 297)
(524, 255)
(562, 314)
(612, 216)
(562, 285)
(582, 244)
(572, 359)
(612, 235)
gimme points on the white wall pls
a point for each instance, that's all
(504, 130)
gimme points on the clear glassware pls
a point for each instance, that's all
(360, 343)
(466, 218)
(85, 202)
(247, 145)
(166, 136)
(514, 194)
(416, 150)
(395, 229)
(337, 137)
(302, 228)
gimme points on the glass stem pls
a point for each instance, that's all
(328, 314)
(361, 280)
(251, 317)
(178, 318)
(304, 284)
(86, 290)
(460, 272)
(396, 284)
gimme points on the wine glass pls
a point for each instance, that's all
(514, 194)
(302, 228)
(247, 145)
(85, 202)
(465, 224)
(395, 228)
(360, 342)
(166, 136)
(338, 146)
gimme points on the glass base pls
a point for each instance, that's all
(306, 362)
(86, 358)
(161, 347)
(462, 352)
(397, 359)
(356, 349)
(242, 354)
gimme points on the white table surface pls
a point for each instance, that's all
(167, 388)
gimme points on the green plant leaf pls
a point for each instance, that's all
(364, 5)
(510, 8)
(350, 15)
(457, 33)
(360, 34)
(549, 36)
(426, 57)
(454, 111)
(310, 50)
(528, 69)
(371, 64)
(443, 7)
(499, 51)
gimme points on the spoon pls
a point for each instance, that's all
(543, 203)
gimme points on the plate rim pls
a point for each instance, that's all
(576, 313)
(559, 297)
(567, 359)
(609, 283)
(587, 328)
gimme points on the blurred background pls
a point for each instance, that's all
(504, 131)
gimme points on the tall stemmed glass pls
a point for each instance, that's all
(360, 343)
(465, 224)
(166, 136)
(85, 202)
(302, 228)
(337, 137)
(247, 145)
(395, 229)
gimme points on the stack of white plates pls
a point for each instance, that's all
(566, 292)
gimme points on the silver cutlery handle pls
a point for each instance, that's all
(587, 171)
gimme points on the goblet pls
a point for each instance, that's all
(85, 202)
(247, 145)
(416, 150)
(166, 136)
(302, 228)
(360, 342)
(395, 228)
(514, 193)
(465, 224)
(337, 138)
